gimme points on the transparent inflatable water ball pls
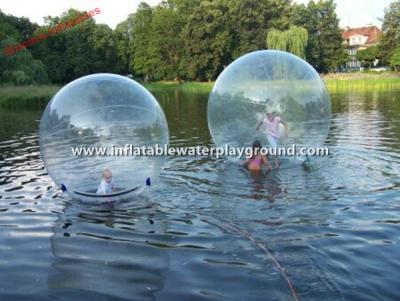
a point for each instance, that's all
(106, 116)
(273, 82)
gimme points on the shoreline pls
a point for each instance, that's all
(36, 96)
(361, 81)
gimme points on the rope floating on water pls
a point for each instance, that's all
(262, 246)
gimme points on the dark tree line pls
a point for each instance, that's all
(177, 39)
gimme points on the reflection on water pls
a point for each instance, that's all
(206, 232)
(95, 251)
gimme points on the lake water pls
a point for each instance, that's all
(209, 231)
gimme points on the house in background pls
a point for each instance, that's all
(360, 38)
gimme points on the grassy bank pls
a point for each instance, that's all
(197, 87)
(26, 96)
(38, 96)
(362, 81)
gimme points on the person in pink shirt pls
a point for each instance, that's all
(271, 123)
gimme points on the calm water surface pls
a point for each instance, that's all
(210, 231)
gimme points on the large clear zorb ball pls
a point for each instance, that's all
(273, 82)
(90, 130)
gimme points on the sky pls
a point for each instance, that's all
(353, 13)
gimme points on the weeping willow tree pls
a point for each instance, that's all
(293, 40)
(277, 40)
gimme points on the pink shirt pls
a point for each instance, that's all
(272, 127)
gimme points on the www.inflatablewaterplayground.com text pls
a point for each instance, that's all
(166, 150)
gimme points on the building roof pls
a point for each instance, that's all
(372, 32)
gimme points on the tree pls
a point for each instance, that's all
(293, 40)
(21, 68)
(166, 41)
(123, 41)
(19, 77)
(249, 21)
(104, 56)
(277, 40)
(77, 51)
(368, 56)
(324, 49)
(7, 30)
(177, 39)
(207, 40)
(395, 60)
(390, 39)
(19, 28)
(141, 45)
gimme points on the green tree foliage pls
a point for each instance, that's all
(324, 49)
(250, 20)
(18, 28)
(368, 56)
(218, 31)
(390, 39)
(20, 68)
(277, 39)
(208, 40)
(395, 60)
(176, 39)
(7, 30)
(142, 38)
(65, 55)
(123, 41)
(293, 40)
(80, 50)
(103, 57)
(298, 39)
(166, 43)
